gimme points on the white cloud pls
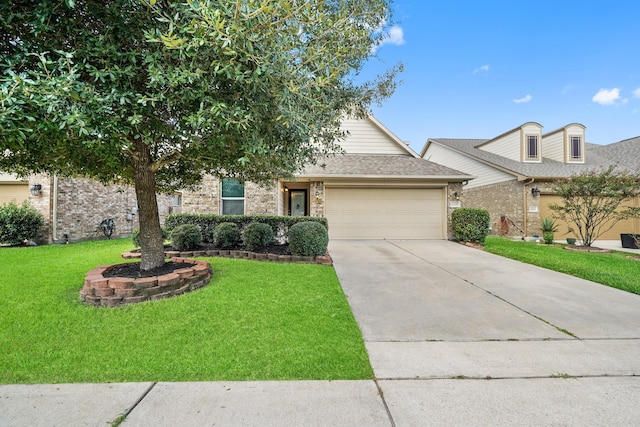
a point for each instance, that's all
(484, 69)
(395, 36)
(523, 100)
(568, 88)
(607, 96)
(636, 93)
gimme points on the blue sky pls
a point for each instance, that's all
(475, 69)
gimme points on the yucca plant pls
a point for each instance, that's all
(548, 227)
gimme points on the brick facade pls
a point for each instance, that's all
(79, 205)
(503, 198)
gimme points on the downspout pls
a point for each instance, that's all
(525, 214)
(54, 210)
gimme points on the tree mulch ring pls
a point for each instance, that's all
(592, 249)
(132, 270)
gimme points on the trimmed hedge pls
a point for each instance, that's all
(470, 225)
(226, 235)
(208, 223)
(308, 239)
(19, 223)
(257, 236)
(186, 237)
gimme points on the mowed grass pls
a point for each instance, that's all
(254, 321)
(616, 269)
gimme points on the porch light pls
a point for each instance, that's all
(286, 188)
(535, 191)
(36, 189)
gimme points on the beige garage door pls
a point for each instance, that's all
(16, 192)
(385, 213)
(626, 226)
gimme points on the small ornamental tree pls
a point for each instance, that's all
(158, 93)
(594, 201)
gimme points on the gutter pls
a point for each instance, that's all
(54, 210)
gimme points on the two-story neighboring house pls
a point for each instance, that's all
(512, 172)
(378, 189)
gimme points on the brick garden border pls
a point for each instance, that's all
(117, 291)
(323, 259)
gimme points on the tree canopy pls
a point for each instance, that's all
(594, 201)
(159, 93)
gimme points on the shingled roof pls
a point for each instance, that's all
(625, 153)
(381, 166)
(548, 168)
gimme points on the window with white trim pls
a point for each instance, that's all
(232, 197)
(532, 148)
(575, 148)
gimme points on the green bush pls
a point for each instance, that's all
(226, 235)
(209, 222)
(186, 237)
(257, 236)
(308, 239)
(470, 225)
(135, 236)
(19, 223)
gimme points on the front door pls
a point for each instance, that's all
(298, 202)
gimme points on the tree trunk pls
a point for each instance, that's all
(151, 241)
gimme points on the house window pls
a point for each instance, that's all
(575, 143)
(533, 149)
(232, 197)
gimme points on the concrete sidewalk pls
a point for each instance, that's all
(456, 336)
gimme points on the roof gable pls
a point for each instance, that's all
(369, 136)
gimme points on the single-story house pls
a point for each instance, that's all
(378, 189)
(513, 171)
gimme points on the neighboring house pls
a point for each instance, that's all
(513, 171)
(73, 208)
(379, 189)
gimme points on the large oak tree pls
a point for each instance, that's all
(159, 93)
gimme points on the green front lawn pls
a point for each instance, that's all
(613, 269)
(255, 321)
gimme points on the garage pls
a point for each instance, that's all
(385, 213)
(17, 192)
(622, 227)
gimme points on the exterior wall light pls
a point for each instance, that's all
(535, 191)
(36, 189)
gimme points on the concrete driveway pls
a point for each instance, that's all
(437, 316)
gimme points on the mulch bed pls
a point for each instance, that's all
(587, 249)
(133, 271)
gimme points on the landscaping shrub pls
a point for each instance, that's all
(257, 236)
(226, 235)
(19, 223)
(470, 225)
(308, 239)
(208, 223)
(135, 236)
(186, 237)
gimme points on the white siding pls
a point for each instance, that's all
(552, 146)
(512, 144)
(485, 175)
(509, 146)
(367, 138)
(5, 177)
